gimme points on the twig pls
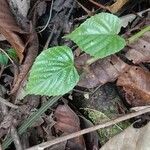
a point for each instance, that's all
(84, 8)
(44, 145)
(49, 18)
(49, 38)
(99, 5)
(4, 101)
(16, 138)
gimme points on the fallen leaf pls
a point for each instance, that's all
(117, 5)
(102, 71)
(130, 139)
(68, 122)
(139, 51)
(32, 51)
(21, 6)
(130, 17)
(10, 29)
(135, 84)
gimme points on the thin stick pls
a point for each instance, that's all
(84, 8)
(16, 138)
(91, 129)
(4, 101)
(49, 18)
(99, 5)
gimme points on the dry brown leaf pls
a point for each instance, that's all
(135, 84)
(117, 5)
(32, 51)
(103, 71)
(139, 51)
(68, 122)
(130, 139)
(10, 29)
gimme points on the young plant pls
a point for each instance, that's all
(54, 73)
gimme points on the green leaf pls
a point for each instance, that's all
(53, 72)
(3, 59)
(12, 53)
(98, 37)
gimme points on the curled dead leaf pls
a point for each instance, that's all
(32, 51)
(103, 71)
(135, 84)
(68, 122)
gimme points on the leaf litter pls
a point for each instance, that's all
(10, 29)
(133, 81)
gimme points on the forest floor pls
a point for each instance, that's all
(108, 109)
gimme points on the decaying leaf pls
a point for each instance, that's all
(130, 17)
(139, 51)
(10, 29)
(117, 5)
(130, 139)
(135, 84)
(100, 72)
(21, 6)
(32, 50)
(68, 122)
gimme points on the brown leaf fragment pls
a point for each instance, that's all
(10, 29)
(68, 122)
(139, 51)
(135, 84)
(103, 71)
(32, 51)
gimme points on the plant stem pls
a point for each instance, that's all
(29, 121)
(129, 41)
(138, 35)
